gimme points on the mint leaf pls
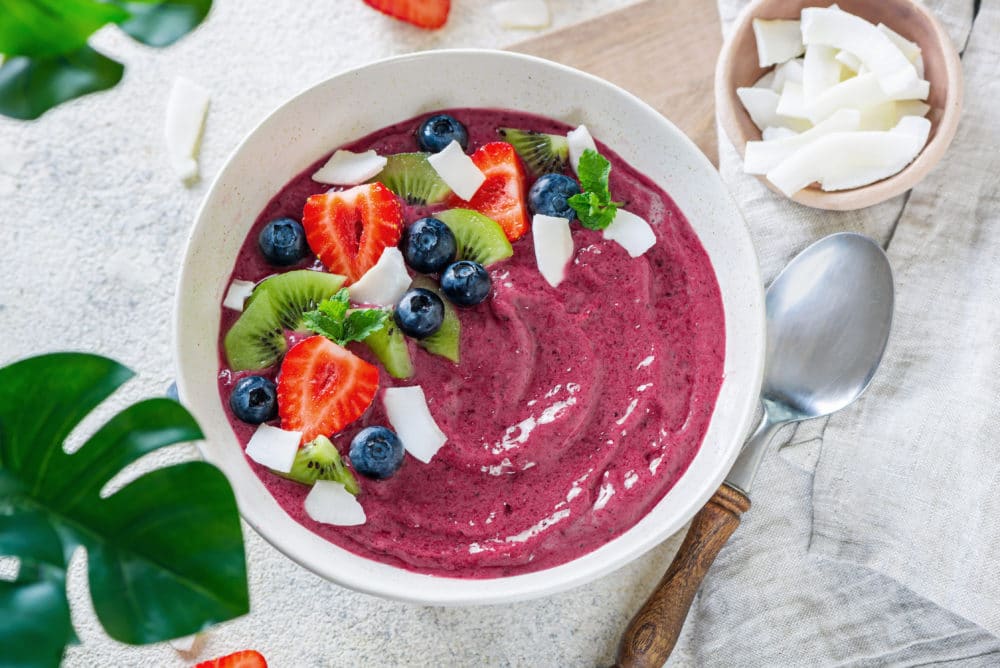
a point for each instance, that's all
(593, 206)
(332, 320)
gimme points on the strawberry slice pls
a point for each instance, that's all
(323, 388)
(349, 229)
(502, 195)
(248, 658)
(428, 14)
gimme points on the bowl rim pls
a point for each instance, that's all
(467, 591)
(730, 112)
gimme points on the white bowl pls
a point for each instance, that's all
(351, 105)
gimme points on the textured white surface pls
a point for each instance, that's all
(94, 222)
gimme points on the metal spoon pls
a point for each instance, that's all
(828, 318)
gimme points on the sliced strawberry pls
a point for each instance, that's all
(349, 229)
(323, 388)
(502, 195)
(421, 13)
(248, 658)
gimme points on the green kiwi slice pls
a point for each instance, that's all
(410, 176)
(257, 340)
(444, 342)
(479, 238)
(389, 345)
(542, 153)
(319, 460)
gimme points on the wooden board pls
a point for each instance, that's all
(663, 51)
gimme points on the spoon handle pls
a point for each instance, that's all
(653, 632)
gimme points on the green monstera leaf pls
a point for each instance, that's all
(164, 553)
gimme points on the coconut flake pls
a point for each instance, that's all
(843, 160)
(579, 140)
(793, 70)
(237, 294)
(777, 41)
(553, 246)
(792, 103)
(848, 60)
(407, 411)
(457, 170)
(772, 133)
(345, 168)
(762, 105)
(766, 81)
(763, 156)
(522, 13)
(633, 233)
(912, 108)
(820, 70)
(274, 448)
(385, 283)
(910, 49)
(847, 32)
(186, 109)
(329, 502)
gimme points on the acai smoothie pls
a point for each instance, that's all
(571, 410)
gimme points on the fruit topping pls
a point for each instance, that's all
(334, 319)
(446, 341)
(273, 447)
(406, 408)
(631, 232)
(457, 170)
(428, 14)
(593, 206)
(522, 13)
(329, 502)
(541, 153)
(579, 140)
(429, 246)
(237, 294)
(419, 313)
(376, 452)
(410, 176)
(436, 132)
(248, 658)
(389, 345)
(319, 460)
(323, 387)
(502, 195)
(553, 246)
(549, 193)
(465, 283)
(349, 229)
(283, 242)
(254, 399)
(477, 237)
(384, 283)
(346, 168)
(256, 340)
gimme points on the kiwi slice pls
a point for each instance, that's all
(319, 460)
(542, 153)
(445, 341)
(479, 238)
(389, 345)
(410, 176)
(257, 339)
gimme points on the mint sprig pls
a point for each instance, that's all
(334, 319)
(593, 206)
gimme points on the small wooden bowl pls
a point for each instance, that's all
(737, 67)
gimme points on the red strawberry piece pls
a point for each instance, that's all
(349, 229)
(248, 658)
(323, 388)
(421, 13)
(502, 195)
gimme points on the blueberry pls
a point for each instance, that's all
(419, 313)
(376, 452)
(429, 246)
(549, 194)
(254, 399)
(283, 242)
(465, 283)
(438, 131)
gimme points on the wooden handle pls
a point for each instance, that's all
(653, 632)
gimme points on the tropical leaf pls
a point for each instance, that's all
(31, 86)
(164, 553)
(162, 22)
(52, 27)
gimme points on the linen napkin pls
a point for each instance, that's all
(879, 544)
